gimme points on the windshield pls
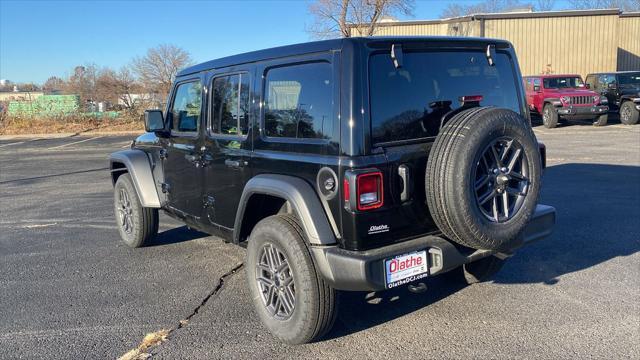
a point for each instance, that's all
(563, 82)
(629, 80)
(409, 102)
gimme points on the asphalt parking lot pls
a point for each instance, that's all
(69, 288)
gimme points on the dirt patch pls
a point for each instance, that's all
(69, 124)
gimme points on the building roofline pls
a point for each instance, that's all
(509, 15)
(630, 14)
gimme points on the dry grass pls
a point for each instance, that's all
(149, 341)
(67, 124)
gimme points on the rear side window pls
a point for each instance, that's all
(298, 101)
(230, 112)
(408, 102)
(186, 107)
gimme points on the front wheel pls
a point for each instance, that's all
(292, 300)
(601, 120)
(137, 225)
(549, 116)
(628, 113)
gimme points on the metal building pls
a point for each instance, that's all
(576, 41)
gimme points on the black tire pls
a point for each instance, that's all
(450, 178)
(478, 271)
(628, 113)
(141, 223)
(315, 302)
(549, 116)
(601, 120)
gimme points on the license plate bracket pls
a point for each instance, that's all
(405, 268)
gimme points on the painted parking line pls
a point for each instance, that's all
(14, 143)
(75, 142)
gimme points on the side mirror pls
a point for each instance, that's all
(536, 88)
(153, 121)
(587, 86)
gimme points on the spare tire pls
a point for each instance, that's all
(483, 177)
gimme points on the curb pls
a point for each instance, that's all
(63, 135)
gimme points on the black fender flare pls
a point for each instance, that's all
(138, 166)
(303, 199)
(553, 101)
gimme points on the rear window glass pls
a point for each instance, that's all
(408, 102)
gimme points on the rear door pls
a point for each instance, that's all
(227, 144)
(180, 161)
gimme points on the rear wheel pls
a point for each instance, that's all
(137, 225)
(601, 120)
(549, 116)
(628, 113)
(483, 178)
(290, 297)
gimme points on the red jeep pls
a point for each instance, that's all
(564, 96)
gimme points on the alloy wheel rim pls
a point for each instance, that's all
(125, 212)
(545, 116)
(275, 282)
(501, 179)
(625, 113)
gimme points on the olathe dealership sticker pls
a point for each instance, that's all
(406, 268)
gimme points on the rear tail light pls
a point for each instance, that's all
(363, 190)
(369, 190)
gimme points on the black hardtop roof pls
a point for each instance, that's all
(615, 72)
(321, 46)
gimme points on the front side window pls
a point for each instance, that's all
(230, 113)
(298, 101)
(569, 82)
(186, 107)
(408, 102)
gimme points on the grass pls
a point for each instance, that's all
(67, 124)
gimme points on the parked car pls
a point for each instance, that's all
(557, 97)
(622, 89)
(351, 164)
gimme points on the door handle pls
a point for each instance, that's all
(237, 164)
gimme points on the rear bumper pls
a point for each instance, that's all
(583, 110)
(364, 270)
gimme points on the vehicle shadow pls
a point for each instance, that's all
(598, 219)
(176, 235)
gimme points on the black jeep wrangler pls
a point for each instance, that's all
(622, 90)
(350, 164)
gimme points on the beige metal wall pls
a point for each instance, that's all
(561, 44)
(629, 43)
(576, 44)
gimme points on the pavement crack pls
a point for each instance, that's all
(155, 339)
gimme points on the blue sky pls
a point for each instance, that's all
(39, 39)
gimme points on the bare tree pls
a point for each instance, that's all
(120, 87)
(625, 5)
(83, 83)
(333, 18)
(157, 69)
(487, 6)
(53, 83)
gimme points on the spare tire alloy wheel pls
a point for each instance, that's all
(483, 178)
(501, 181)
(275, 281)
